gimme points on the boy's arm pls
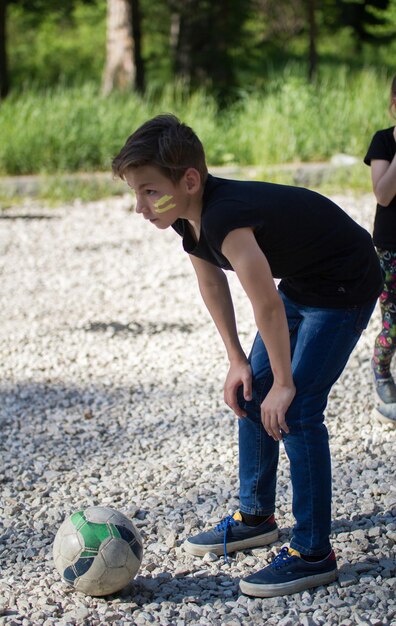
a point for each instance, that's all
(252, 268)
(215, 292)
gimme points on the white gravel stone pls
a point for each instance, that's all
(111, 393)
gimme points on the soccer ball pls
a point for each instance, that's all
(98, 550)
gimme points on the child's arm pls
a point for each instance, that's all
(252, 268)
(383, 177)
(216, 295)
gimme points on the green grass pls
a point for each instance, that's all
(75, 129)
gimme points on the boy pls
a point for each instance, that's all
(307, 329)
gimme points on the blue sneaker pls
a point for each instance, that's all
(233, 534)
(289, 573)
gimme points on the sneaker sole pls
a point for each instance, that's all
(245, 544)
(294, 586)
(382, 418)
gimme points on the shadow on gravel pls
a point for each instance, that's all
(38, 419)
(127, 245)
(361, 520)
(30, 397)
(27, 216)
(200, 590)
(42, 418)
(207, 589)
(136, 328)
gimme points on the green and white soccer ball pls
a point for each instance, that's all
(98, 550)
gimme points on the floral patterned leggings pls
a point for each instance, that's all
(385, 343)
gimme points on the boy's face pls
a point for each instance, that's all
(158, 199)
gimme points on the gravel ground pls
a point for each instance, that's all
(111, 393)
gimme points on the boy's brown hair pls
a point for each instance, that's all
(166, 143)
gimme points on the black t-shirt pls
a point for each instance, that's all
(322, 256)
(383, 146)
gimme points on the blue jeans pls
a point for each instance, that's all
(322, 340)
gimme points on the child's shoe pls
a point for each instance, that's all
(385, 406)
(233, 534)
(289, 573)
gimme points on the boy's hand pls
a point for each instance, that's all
(273, 410)
(239, 374)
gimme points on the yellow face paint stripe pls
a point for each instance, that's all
(163, 204)
(165, 208)
(163, 200)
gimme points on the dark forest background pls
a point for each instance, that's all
(262, 81)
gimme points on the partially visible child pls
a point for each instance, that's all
(381, 156)
(307, 328)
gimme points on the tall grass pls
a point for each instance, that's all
(297, 121)
(71, 129)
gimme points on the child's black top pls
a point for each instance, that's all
(383, 146)
(322, 256)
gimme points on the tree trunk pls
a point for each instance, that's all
(4, 79)
(182, 38)
(120, 70)
(137, 48)
(200, 38)
(312, 29)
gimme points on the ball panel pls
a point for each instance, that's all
(114, 579)
(65, 529)
(119, 519)
(57, 545)
(79, 568)
(132, 564)
(98, 514)
(132, 538)
(91, 588)
(77, 519)
(115, 553)
(94, 534)
(71, 546)
(89, 582)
